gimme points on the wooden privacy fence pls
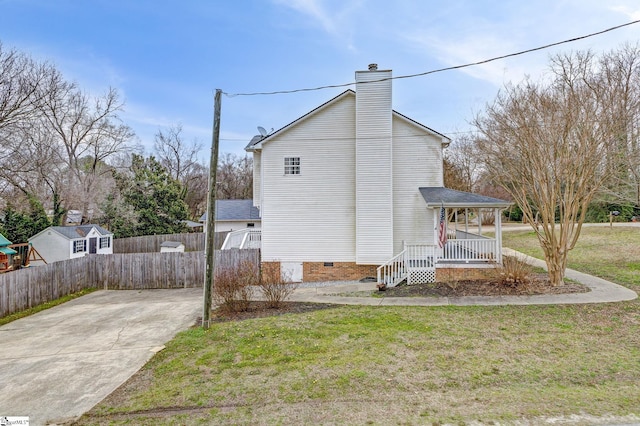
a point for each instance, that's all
(26, 288)
(151, 243)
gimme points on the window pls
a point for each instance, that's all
(105, 242)
(79, 246)
(291, 165)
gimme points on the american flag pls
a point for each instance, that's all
(442, 228)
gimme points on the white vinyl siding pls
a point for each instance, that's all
(234, 225)
(417, 162)
(52, 246)
(310, 217)
(374, 197)
(257, 179)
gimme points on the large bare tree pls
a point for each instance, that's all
(90, 132)
(180, 159)
(461, 168)
(550, 145)
(235, 177)
(24, 84)
(619, 91)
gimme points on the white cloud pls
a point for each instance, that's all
(336, 19)
(455, 52)
(629, 11)
(314, 9)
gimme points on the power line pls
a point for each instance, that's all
(456, 67)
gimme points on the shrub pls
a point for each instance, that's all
(487, 218)
(275, 286)
(233, 287)
(514, 272)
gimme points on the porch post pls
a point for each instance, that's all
(437, 251)
(466, 220)
(498, 222)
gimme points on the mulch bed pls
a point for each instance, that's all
(259, 309)
(538, 284)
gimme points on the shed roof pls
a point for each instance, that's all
(75, 232)
(7, 250)
(172, 244)
(4, 241)
(436, 196)
(235, 210)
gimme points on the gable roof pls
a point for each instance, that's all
(440, 196)
(259, 139)
(75, 232)
(234, 210)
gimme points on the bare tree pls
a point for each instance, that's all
(90, 132)
(176, 155)
(619, 92)
(24, 84)
(180, 159)
(235, 177)
(461, 160)
(546, 145)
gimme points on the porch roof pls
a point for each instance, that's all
(436, 196)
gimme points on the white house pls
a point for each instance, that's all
(354, 189)
(67, 242)
(233, 215)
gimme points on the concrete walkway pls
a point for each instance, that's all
(602, 291)
(57, 364)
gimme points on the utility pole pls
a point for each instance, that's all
(210, 249)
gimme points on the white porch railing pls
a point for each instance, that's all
(243, 239)
(393, 271)
(417, 263)
(469, 250)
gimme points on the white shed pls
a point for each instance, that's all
(57, 243)
(171, 247)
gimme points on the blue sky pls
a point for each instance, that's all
(167, 57)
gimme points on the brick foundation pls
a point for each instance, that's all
(459, 274)
(340, 271)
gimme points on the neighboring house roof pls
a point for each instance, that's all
(259, 139)
(235, 210)
(440, 196)
(75, 232)
(192, 224)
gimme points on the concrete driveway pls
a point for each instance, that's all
(59, 363)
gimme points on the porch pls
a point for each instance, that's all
(243, 239)
(417, 263)
(457, 239)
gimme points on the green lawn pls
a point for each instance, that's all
(405, 365)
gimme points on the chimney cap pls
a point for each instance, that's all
(373, 67)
